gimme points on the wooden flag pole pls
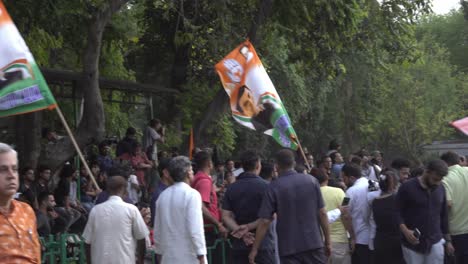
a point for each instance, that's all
(306, 162)
(72, 138)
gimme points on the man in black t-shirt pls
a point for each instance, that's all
(240, 212)
(298, 203)
(62, 193)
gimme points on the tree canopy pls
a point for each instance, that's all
(385, 75)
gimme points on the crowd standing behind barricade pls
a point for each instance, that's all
(331, 209)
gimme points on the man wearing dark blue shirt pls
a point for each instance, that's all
(423, 216)
(298, 203)
(240, 212)
(162, 185)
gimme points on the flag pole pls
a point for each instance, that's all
(72, 138)
(306, 162)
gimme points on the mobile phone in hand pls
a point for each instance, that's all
(417, 233)
(345, 201)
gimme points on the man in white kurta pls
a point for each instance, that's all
(178, 226)
(114, 228)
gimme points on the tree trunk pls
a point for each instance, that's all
(219, 105)
(349, 124)
(28, 138)
(464, 4)
(92, 124)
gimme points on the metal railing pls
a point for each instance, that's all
(63, 249)
(70, 248)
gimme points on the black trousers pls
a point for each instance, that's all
(460, 243)
(361, 254)
(265, 256)
(315, 256)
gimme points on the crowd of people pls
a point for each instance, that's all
(292, 209)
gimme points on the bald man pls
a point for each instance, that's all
(115, 229)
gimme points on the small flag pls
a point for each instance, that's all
(22, 86)
(253, 98)
(461, 125)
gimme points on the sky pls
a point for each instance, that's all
(441, 7)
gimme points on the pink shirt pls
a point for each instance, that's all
(140, 173)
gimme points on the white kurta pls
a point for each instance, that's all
(113, 229)
(178, 226)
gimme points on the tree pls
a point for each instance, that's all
(464, 5)
(414, 101)
(450, 31)
(91, 126)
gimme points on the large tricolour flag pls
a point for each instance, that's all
(461, 125)
(253, 98)
(22, 86)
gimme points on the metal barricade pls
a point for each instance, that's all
(218, 242)
(70, 249)
(63, 249)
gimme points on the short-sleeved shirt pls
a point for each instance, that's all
(85, 198)
(113, 229)
(161, 187)
(149, 142)
(456, 186)
(244, 198)
(203, 183)
(359, 210)
(19, 241)
(44, 228)
(333, 197)
(105, 162)
(296, 198)
(140, 173)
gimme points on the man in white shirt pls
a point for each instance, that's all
(115, 228)
(179, 236)
(359, 211)
(154, 132)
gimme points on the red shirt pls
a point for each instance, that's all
(140, 173)
(203, 183)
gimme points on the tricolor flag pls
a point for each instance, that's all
(253, 97)
(461, 125)
(22, 86)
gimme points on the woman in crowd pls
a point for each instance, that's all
(387, 237)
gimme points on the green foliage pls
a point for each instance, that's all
(42, 44)
(173, 138)
(112, 61)
(369, 73)
(450, 31)
(413, 102)
(223, 135)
